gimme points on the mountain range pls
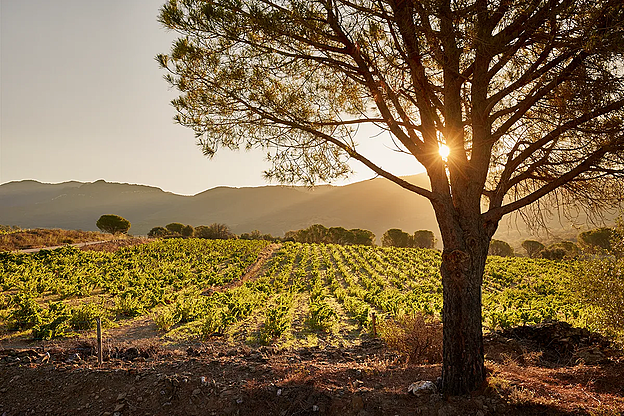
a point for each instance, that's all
(376, 205)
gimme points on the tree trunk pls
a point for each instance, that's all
(462, 275)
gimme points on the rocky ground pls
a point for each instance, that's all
(547, 369)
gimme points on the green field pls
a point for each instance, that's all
(303, 293)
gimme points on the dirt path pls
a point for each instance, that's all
(35, 250)
(102, 245)
(251, 272)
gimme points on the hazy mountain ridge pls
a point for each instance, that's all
(375, 204)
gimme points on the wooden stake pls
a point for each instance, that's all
(99, 340)
(374, 322)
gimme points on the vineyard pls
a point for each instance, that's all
(302, 294)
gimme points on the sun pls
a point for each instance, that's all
(444, 151)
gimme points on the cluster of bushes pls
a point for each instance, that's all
(603, 240)
(597, 241)
(213, 231)
(536, 250)
(8, 229)
(318, 233)
(175, 229)
(257, 235)
(395, 237)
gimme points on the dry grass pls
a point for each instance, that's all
(417, 337)
(39, 237)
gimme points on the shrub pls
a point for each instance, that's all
(213, 323)
(257, 235)
(84, 316)
(555, 253)
(158, 232)
(8, 229)
(423, 239)
(417, 337)
(27, 313)
(55, 322)
(532, 247)
(322, 316)
(598, 239)
(128, 304)
(601, 285)
(560, 251)
(165, 319)
(500, 248)
(275, 323)
(175, 227)
(187, 309)
(213, 231)
(277, 320)
(395, 238)
(187, 231)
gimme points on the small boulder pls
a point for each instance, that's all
(422, 387)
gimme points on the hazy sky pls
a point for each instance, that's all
(82, 98)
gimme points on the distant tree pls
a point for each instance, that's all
(339, 235)
(500, 248)
(553, 253)
(395, 237)
(316, 233)
(599, 238)
(561, 250)
(532, 247)
(362, 237)
(158, 232)
(213, 231)
(572, 249)
(113, 224)
(187, 231)
(257, 235)
(290, 236)
(175, 227)
(254, 235)
(423, 239)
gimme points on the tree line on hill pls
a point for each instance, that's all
(596, 241)
(213, 231)
(395, 237)
(316, 233)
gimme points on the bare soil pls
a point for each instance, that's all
(144, 377)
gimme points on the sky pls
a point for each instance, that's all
(83, 99)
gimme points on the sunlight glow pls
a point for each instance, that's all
(444, 151)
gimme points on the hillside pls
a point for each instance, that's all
(375, 204)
